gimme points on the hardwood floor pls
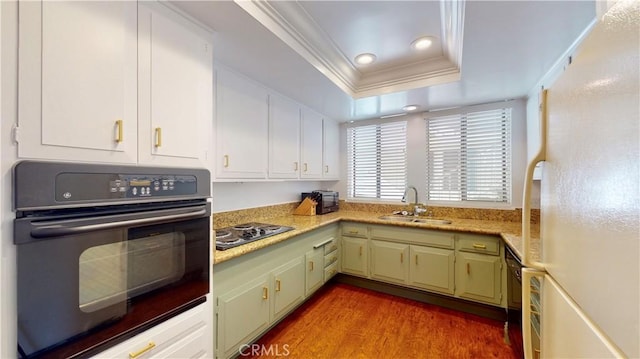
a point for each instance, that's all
(343, 321)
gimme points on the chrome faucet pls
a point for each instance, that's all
(416, 207)
(415, 192)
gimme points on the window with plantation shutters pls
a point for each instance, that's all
(469, 157)
(377, 161)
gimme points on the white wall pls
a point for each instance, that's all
(416, 150)
(235, 196)
(8, 113)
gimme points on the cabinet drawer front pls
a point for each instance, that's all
(330, 258)
(165, 337)
(419, 236)
(354, 230)
(478, 244)
(330, 271)
(331, 246)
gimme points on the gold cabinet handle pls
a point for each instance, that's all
(226, 161)
(353, 232)
(149, 346)
(479, 246)
(158, 137)
(295, 166)
(360, 251)
(401, 257)
(326, 169)
(119, 131)
(305, 167)
(468, 268)
(265, 293)
(311, 266)
(277, 285)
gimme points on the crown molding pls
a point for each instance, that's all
(289, 21)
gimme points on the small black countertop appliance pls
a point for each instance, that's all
(327, 200)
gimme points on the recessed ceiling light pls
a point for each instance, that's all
(365, 59)
(422, 43)
(410, 108)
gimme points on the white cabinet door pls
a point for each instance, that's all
(241, 127)
(284, 137)
(77, 91)
(175, 88)
(311, 145)
(331, 149)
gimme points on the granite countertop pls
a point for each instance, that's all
(509, 231)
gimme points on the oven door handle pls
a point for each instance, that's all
(67, 227)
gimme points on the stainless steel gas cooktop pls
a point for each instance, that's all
(240, 234)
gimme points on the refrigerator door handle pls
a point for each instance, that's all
(527, 261)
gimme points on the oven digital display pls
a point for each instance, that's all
(135, 182)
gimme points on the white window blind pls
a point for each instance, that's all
(469, 157)
(377, 160)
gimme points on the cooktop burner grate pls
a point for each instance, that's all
(240, 234)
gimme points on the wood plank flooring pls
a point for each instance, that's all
(343, 321)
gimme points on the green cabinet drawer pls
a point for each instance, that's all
(354, 230)
(330, 258)
(331, 246)
(479, 244)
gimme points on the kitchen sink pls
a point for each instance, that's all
(415, 220)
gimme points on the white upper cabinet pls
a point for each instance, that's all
(284, 137)
(175, 87)
(331, 149)
(241, 127)
(311, 145)
(104, 82)
(262, 135)
(77, 93)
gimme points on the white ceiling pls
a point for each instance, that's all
(484, 51)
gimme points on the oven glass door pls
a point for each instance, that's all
(80, 289)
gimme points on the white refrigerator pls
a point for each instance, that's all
(588, 303)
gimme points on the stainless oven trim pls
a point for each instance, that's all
(46, 229)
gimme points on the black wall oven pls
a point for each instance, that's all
(106, 252)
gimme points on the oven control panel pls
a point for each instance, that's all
(103, 186)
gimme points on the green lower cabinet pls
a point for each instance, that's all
(242, 314)
(432, 268)
(354, 256)
(314, 277)
(479, 277)
(288, 288)
(249, 309)
(389, 261)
